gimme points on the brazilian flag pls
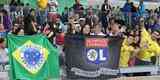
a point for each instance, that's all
(32, 58)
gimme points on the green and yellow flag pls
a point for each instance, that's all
(32, 58)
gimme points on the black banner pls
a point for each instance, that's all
(92, 57)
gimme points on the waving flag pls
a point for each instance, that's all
(32, 58)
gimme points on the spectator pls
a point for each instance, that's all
(49, 31)
(3, 52)
(65, 15)
(26, 10)
(2, 28)
(85, 30)
(127, 12)
(98, 30)
(82, 22)
(77, 28)
(157, 25)
(2, 31)
(115, 30)
(106, 10)
(150, 20)
(71, 29)
(141, 8)
(6, 21)
(13, 5)
(78, 8)
(41, 16)
(30, 25)
(91, 18)
(134, 15)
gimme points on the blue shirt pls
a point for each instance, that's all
(141, 10)
(127, 8)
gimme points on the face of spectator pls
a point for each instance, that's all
(151, 13)
(97, 29)
(77, 28)
(115, 28)
(58, 20)
(93, 30)
(77, 1)
(128, 1)
(141, 22)
(130, 39)
(71, 19)
(76, 16)
(82, 23)
(136, 39)
(1, 27)
(112, 21)
(2, 45)
(105, 1)
(86, 30)
(33, 13)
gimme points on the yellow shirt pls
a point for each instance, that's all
(126, 51)
(153, 49)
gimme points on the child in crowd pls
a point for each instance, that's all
(115, 30)
(85, 30)
(98, 30)
(3, 52)
(2, 31)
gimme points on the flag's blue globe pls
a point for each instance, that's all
(32, 56)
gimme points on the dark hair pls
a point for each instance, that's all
(31, 10)
(22, 4)
(84, 27)
(27, 4)
(105, 1)
(4, 12)
(2, 40)
(69, 30)
(28, 27)
(17, 31)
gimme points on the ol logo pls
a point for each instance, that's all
(97, 55)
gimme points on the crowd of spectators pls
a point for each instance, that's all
(107, 20)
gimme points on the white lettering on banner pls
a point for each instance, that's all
(101, 58)
(4, 67)
(94, 55)
(97, 73)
